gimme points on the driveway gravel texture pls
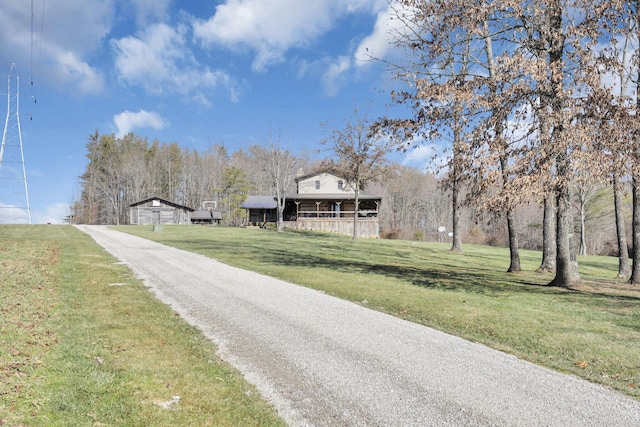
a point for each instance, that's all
(322, 361)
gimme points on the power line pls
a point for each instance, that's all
(41, 29)
(31, 68)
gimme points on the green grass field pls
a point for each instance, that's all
(592, 331)
(82, 342)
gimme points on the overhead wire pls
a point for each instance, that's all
(41, 31)
(31, 65)
(32, 47)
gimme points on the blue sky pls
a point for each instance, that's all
(195, 72)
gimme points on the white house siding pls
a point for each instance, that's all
(328, 184)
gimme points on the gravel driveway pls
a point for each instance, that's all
(323, 361)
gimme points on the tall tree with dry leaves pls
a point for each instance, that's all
(540, 78)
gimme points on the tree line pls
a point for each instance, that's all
(415, 204)
(126, 170)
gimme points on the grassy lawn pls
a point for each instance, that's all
(592, 331)
(83, 343)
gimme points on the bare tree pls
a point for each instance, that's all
(280, 167)
(360, 155)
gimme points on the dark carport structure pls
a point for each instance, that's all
(206, 216)
(261, 209)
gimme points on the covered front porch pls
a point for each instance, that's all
(331, 213)
(307, 208)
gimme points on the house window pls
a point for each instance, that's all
(317, 185)
(339, 185)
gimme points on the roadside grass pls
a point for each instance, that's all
(84, 343)
(592, 331)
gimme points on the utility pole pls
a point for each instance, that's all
(14, 193)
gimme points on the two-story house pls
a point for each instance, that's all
(322, 202)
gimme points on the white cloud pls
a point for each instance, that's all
(71, 68)
(335, 75)
(623, 52)
(160, 61)
(427, 157)
(379, 43)
(420, 154)
(271, 28)
(52, 214)
(10, 214)
(150, 59)
(57, 53)
(127, 121)
(147, 11)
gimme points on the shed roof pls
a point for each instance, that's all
(166, 202)
(206, 214)
(260, 202)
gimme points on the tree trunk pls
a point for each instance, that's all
(514, 266)
(281, 204)
(514, 252)
(624, 271)
(548, 237)
(635, 271)
(355, 211)
(566, 263)
(456, 245)
(635, 224)
(583, 237)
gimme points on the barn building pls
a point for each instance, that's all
(157, 211)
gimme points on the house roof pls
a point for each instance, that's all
(206, 214)
(260, 202)
(166, 202)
